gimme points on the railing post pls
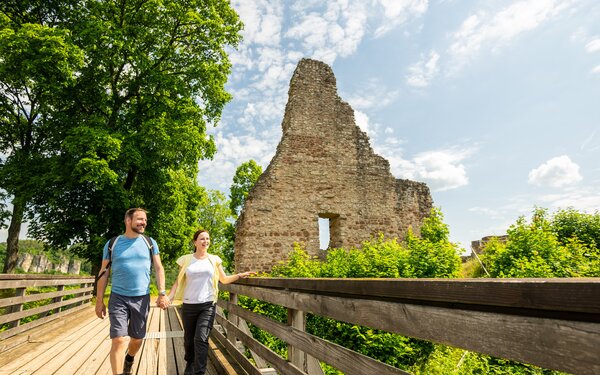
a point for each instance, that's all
(59, 288)
(19, 292)
(235, 320)
(305, 362)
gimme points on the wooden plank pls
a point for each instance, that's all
(59, 350)
(176, 322)
(34, 276)
(260, 363)
(42, 329)
(72, 355)
(11, 284)
(98, 359)
(42, 349)
(282, 365)
(148, 356)
(51, 306)
(237, 356)
(172, 325)
(562, 345)
(559, 294)
(162, 343)
(346, 360)
(220, 359)
(41, 321)
(41, 296)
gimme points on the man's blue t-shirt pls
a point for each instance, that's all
(130, 266)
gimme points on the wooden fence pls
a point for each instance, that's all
(67, 294)
(551, 323)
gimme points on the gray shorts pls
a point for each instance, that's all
(128, 315)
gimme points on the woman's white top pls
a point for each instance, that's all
(199, 285)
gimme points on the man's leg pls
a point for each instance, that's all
(118, 315)
(138, 317)
(134, 346)
(117, 354)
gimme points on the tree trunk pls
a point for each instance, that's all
(12, 242)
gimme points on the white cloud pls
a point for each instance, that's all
(396, 12)
(489, 212)
(593, 45)
(421, 73)
(373, 94)
(582, 199)
(231, 152)
(262, 21)
(492, 31)
(440, 169)
(556, 172)
(596, 69)
(335, 31)
(362, 120)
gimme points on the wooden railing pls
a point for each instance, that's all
(551, 323)
(67, 294)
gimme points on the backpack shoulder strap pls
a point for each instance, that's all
(111, 244)
(148, 241)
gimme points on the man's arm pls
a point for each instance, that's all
(163, 300)
(100, 289)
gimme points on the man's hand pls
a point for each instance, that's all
(100, 309)
(163, 302)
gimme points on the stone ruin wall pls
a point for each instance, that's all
(324, 167)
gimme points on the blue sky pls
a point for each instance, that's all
(494, 104)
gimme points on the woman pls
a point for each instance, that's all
(197, 285)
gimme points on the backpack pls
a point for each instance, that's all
(111, 245)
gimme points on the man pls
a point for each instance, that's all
(129, 301)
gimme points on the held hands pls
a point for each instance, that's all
(163, 302)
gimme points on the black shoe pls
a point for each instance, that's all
(189, 368)
(127, 367)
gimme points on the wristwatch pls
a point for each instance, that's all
(162, 293)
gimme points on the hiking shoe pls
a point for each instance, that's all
(127, 367)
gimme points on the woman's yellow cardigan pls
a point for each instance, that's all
(186, 260)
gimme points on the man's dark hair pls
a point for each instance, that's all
(130, 212)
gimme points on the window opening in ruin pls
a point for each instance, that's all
(330, 235)
(324, 238)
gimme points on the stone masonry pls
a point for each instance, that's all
(324, 167)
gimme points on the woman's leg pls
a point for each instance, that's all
(204, 325)
(189, 316)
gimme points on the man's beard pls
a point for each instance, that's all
(138, 230)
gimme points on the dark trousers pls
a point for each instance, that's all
(198, 320)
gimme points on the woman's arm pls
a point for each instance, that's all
(173, 289)
(224, 279)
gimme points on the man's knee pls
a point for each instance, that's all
(119, 341)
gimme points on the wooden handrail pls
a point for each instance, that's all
(552, 323)
(12, 305)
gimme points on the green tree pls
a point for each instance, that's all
(38, 68)
(244, 179)
(432, 254)
(569, 224)
(559, 246)
(153, 81)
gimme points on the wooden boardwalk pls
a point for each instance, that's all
(79, 344)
